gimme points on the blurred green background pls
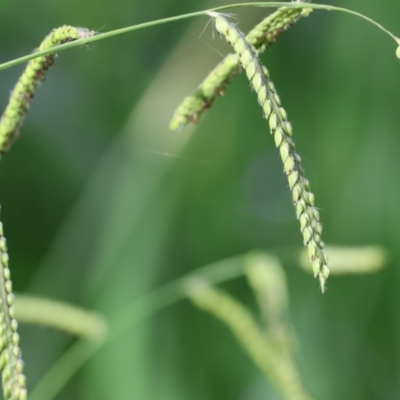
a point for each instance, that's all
(101, 203)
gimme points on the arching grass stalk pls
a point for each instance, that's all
(68, 37)
(267, 278)
(216, 82)
(277, 365)
(165, 296)
(149, 304)
(34, 74)
(132, 28)
(280, 127)
(11, 364)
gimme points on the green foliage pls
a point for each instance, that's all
(98, 218)
(11, 365)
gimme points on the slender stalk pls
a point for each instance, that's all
(276, 365)
(267, 278)
(160, 298)
(132, 28)
(149, 304)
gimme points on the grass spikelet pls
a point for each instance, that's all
(281, 128)
(29, 81)
(11, 364)
(214, 85)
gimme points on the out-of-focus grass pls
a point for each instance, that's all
(94, 215)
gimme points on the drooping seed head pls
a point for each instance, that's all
(280, 127)
(214, 85)
(34, 74)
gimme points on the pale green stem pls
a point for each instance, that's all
(351, 260)
(59, 315)
(276, 365)
(19, 102)
(267, 278)
(83, 350)
(192, 15)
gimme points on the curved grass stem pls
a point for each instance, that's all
(131, 28)
(151, 303)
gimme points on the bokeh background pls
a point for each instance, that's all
(102, 203)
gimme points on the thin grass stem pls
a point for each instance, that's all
(277, 365)
(132, 28)
(144, 307)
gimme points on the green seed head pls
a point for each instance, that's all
(303, 198)
(261, 37)
(34, 74)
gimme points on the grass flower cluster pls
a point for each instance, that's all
(261, 37)
(271, 350)
(11, 365)
(34, 74)
(281, 128)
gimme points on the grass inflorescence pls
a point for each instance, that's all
(216, 82)
(11, 364)
(281, 128)
(216, 302)
(34, 74)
